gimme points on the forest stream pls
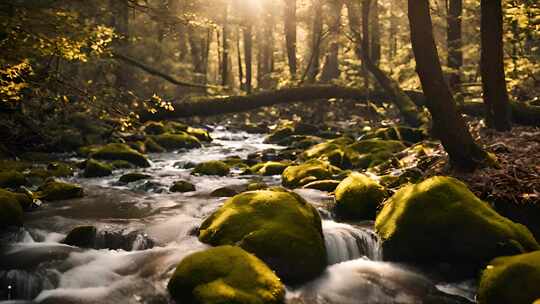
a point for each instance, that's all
(144, 231)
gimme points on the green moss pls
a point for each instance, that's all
(59, 169)
(122, 164)
(138, 146)
(372, 152)
(225, 274)
(82, 236)
(280, 134)
(11, 208)
(276, 225)
(224, 192)
(176, 127)
(313, 170)
(400, 133)
(200, 134)
(120, 152)
(358, 197)
(256, 186)
(182, 186)
(95, 168)
(171, 141)
(269, 168)
(12, 179)
(333, 151)
(56, 191)
(133, 177)
(154, 128)
(514, 279)
(216, 167)
(328, 185)
(440, 219)
(152, 146)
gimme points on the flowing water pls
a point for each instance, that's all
(144, 232)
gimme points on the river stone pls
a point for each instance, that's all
(81, 236)
(182, 186)
(11, 208)
(216, 167)
(225, 274)
(95, 168)
(328, 185)
(269, 168)
(276, 225)
(200, 134)
(400, 133)
(441, 220)
(358, 197)
(133, 177)
(171, 141)
(12, 179)
(224, 192)
(373, 152)
(154, 128)
(54, 190)
(514, 279)
(120, 152)
(313, 170)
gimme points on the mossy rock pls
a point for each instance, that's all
(225, 274)
(54, 190)
(328, 185)
(11, 210)
(200, 134)
(81, 236)
(25, 200)
(154, 128)
(276, 225)
(152, 146)
(256, 186)
(279, 134)
(441, 220)
(12, 179)
(133, 177)
(69, 140)
(182, 187)
(215, 167)
(95, 168)
(120, 152)
(373, 152)
(176, 127)
(303, 174)
(122, 164)
(59, 169)
(171, 141)
(224, 192)
(138, 146)
(400, 133)
(269, 168)
(358, 197)
(512, 279)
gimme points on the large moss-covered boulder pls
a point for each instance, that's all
(200, 134)
(12, 179)
(328, 185)
(81, 236)
(182, 187)
(276, 225)
(133, 177)
(358, 197)
(440, 219)
(154, 128)
(225, 274)
(513, 279)
(54, 190)
(11, 210)
(279, 134)
(400, 133)
(214, 167)
(372, 152)
(310, 171)
(269, 168)
(95, 168)
(171, 141)
(334, 151)
(120, 152)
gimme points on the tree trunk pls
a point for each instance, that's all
(498, 114)
(225, 45)
(375, 43)
(331, 64)
(239, 59)
(406, 106)
(448, 125)
(290, 35)
(120, 23)
(454, 42)
(199, 54)
(316, 39)
(248, 55)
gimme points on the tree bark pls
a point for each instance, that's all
(225, 45)
(448, 125)
(316, 39)
(454, 42)
(331, 64)
(375, 44)
(290, 35)
(120, 23)
(498, 113)
(248, 55)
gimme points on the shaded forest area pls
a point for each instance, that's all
(379, 131)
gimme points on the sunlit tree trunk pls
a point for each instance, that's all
(266, 48)
(316, 39)
(199, 47)
(454, 42)
(248, 55)
(290, 35)
(225, 46)
(239, 59)
(498, 112)
(331, 63)
(448, 125)
(375, 43)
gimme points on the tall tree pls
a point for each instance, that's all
(248, 54)
(316, 40)
(331, 63)
(120, 23)
(498, 112)
(290, 34)
(448, 124)
(225, 46)
(454, 42)
(375, 43)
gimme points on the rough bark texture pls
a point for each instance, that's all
(448, 125)
(225, 43)
(498, 113)
(331, 63)
(316, 38)
(248, 55)
(454, 42)
(290, 35)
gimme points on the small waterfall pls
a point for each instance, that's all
(346, 242)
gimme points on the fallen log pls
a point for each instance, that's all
(222, 105)
(522, 113)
